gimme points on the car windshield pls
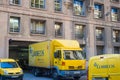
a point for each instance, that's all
(8, 65)
(73, 54)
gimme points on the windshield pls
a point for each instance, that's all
(8, 65)
(72, 54)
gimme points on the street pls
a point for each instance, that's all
(29, 76)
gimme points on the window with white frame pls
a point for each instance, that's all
(116, 35)
(38, 3)
(99, 34)
(114, 14)
(98, 10)
(37, 26)
(58, 29)
(79, 31)
(79, 7)
(15, 2)
(14, 24)
(58, 5)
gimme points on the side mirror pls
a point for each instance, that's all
(55, 55)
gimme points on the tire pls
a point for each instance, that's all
(21, 78)
(2, 78)
(55, 75)
(76, 78)
(35, 72)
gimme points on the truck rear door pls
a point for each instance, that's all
(114, 68)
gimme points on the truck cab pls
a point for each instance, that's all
(69, 63)
(9, 70)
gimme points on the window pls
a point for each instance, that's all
(114, 14)
(116, 50)
(73, 55)
(38, 3)
(58, 5)
(58, 54)
(99, 34)
(58, 29)
(14, 24)
(79, 31)
(16, 2)
(100, 50)
(79, 7)
(84, 50)
(115, 0)
(116, 36)
(98, 11)
(8, 65)
(37, 27)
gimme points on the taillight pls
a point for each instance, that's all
(63, 63)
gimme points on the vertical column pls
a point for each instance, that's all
(68, 29)
(25, 25)
(108, 40)
(90, 41)
(107, 10)
(3, 34)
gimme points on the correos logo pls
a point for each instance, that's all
(98, 66)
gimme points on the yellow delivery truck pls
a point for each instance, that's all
(10, 70)
(104, 67)
(59, 58)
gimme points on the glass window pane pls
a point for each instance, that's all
(58, 5)
(14, 24)
(99, 34)
(78, 7)
(14, 1)
(98, 10)
(114, 14)
(79, 31)
(38, 3)
(58, 29)
(100, 50)
(37, 27)
(32, 3)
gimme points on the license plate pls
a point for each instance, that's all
(76, 72)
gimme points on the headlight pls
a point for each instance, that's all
(21, 71)
(5, 72)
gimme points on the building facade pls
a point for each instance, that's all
(94, 23)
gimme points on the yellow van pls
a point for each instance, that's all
(104, 67)
(10, 70)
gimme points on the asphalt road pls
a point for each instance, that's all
(29, 76)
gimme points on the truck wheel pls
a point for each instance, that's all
(21, 78)
(55, 75)
(76, 78)
(35, 72)
(2, 78)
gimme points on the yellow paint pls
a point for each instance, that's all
(45, 56)
(104, 66)
(5, 71)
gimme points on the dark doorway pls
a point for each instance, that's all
(18, 50)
